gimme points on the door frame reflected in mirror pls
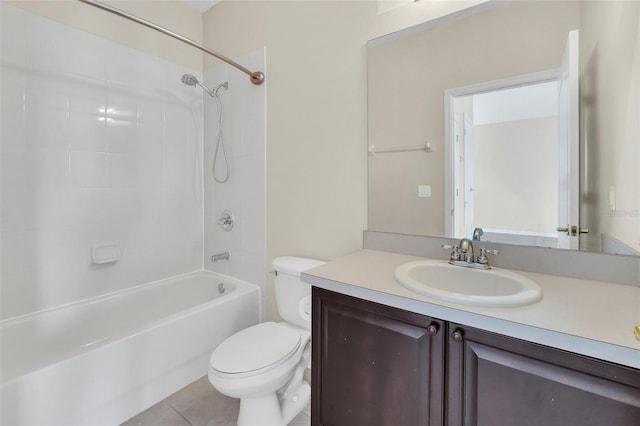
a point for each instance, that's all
(453, 183)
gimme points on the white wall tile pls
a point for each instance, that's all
(47, 249)
(51, 209)
(51, 168)
(151, 111)
(243, 194)
(251, 171)
(47, 127)
(253, 228)
(13, 48)
(18, 208)
(122, 135)
(254, 270)
(121, 170)
(87, 208)
(121, 66)
(13, 91)
(87, 169)
(120, 155)
(14, 251)
(150, 168)
(18, 164)
(87, 96)
(88, 155)
(47, 46)
(15, 296)
(46, 90)
(88, 56)
(87, 132)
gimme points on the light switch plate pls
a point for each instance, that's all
(424, 191)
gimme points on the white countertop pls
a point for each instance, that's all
(588, 317)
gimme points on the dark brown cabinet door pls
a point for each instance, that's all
(495, 380)
(374, 365)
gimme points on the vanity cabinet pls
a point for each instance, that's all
(378, 365)
(498, 380)
(374, 365)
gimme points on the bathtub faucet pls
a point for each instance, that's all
(220, 256)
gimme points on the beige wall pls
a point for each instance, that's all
(316, 119)
(515, 175)
(610, 121)
(171, 14)
(316, 112)
(407, 82)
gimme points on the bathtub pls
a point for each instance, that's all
(103, 360)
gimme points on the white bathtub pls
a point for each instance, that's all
(103, 360)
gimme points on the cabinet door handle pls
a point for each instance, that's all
(457, 336)
(432, 329)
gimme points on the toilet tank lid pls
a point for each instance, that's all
(294, 265)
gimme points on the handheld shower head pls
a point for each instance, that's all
(191, 80)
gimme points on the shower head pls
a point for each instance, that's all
(191, 80)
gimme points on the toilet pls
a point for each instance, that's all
(263, 365)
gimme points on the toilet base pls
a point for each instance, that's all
(270, 410)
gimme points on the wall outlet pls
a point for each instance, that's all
(612, 198)
(424, 191)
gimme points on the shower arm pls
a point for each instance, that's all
(256, 77)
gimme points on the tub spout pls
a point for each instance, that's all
(220, 256)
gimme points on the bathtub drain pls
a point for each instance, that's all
(221, 288)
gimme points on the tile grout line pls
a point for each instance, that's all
(178, 411)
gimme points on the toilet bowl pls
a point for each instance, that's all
(264, 365)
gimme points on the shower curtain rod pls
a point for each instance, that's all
(256, 77)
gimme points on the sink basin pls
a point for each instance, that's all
(492, 288)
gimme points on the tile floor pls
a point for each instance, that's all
(199, 404)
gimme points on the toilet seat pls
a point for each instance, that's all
(255, 349)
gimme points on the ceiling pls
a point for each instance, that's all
(200, 5)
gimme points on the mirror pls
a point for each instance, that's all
(426, 84)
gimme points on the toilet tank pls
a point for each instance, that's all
(293, 297)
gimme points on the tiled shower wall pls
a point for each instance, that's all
(244, 131)
(99, 143)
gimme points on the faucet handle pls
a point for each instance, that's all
(455, 254)
(482, 257)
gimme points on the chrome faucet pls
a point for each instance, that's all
(466, 249)
(462, 255)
